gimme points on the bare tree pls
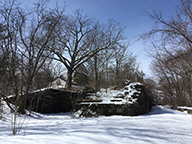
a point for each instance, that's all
(75, 41)
(26, 38)
(37, 36)
(10, 57)
(172, 56)
(175, 28)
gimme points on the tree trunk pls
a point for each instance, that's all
(21, 100)
(107, 74)
(117, 73)
(96, 73)
(69, 79)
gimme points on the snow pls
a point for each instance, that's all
(185, 108)
(124, 96)
(160, 126)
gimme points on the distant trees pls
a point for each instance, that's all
(173, 54)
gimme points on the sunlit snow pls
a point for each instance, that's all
(160, 126)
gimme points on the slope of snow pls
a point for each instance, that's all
(160, 126)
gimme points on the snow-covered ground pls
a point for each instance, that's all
(160, 126)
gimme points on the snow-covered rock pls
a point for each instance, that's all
(132, 100)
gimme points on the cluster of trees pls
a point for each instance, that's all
(172, 54)
(32, 39)
(109, 69)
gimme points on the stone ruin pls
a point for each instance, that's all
(133, 100)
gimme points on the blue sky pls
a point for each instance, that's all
(128, 12)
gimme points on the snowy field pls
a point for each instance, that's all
(160, 126)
